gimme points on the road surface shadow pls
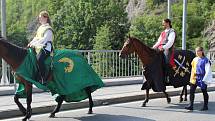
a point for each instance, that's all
(176, 107)
(197, 106)
(108, 117)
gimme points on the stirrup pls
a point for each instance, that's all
(43, 81)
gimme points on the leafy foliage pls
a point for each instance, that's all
(88, 24)
(199, 13)
(77, 21)
(147, 28)
(103, 38)
(20, 13)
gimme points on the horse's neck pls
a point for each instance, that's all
(12, 54)
(143, 52)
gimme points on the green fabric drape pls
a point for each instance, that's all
(71, 75)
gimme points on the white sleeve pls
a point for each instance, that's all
(47, 37)
(171, 39)
(208, 74)
(33, 41)
(157, 43)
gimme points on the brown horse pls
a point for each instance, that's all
(14, 56)
(154, 69)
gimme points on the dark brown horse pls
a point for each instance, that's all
(14, 56)
(154, 69)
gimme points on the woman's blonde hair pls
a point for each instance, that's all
(200, 49)
(46, 15)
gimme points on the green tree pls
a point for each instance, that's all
(77, 21)
(147, 28)
(103, 42)
(103, 38)
(20, 16)
(196, 20)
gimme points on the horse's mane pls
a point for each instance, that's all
(13, 51)
(145, 47)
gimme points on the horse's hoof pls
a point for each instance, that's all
(143, 105)
(29, 113)
(90, 112)
(24, 113)
(52, 115)
(24, 119)
(185, 99)
(168, 100)
(181, 99)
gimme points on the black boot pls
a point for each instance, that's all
(206, 97)
(204, 108)
(192, 96)
(39, 78)
(45, 78)
(166, 73)
(189, 107)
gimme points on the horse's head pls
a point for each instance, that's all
(12, 54)
(127, 48)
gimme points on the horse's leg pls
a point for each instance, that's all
(28, 89)
(146, 98)
(185, 93)
(59, 100)
(21, 108)
(167, 97)
(181, 94)
(88, 91)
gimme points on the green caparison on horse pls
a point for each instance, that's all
(70, 78)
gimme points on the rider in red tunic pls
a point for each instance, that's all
(166, 41)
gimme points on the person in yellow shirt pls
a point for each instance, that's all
(42, 43)
(200, 75)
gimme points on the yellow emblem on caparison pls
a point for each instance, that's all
(70, 66)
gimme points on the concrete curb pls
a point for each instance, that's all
(98, 102)
(124, 82)
(12, 91)
(128, 81)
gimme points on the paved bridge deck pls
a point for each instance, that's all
(44, 102)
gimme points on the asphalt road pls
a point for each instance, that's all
(156, 110)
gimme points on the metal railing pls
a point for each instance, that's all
(106, 63)
(9, 76)
(211, 56)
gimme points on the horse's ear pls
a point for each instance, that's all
(128, 36)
